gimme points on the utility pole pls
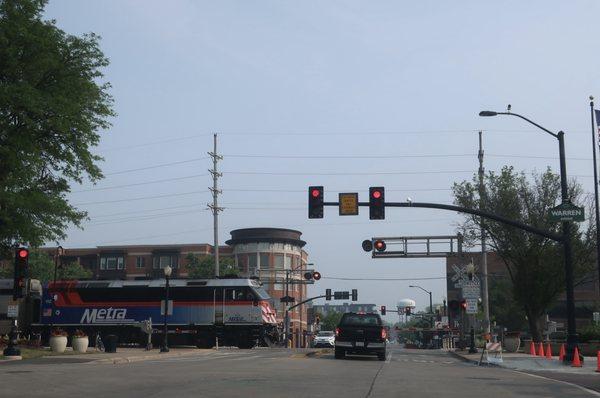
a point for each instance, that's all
(484, 268)
(215, 206)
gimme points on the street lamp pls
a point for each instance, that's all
(57, 256)
(566, 227)
(165, 346)
(287, 295)
(430, 301)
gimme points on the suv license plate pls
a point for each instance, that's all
(360, 344)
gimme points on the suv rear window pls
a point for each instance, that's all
(361, 320)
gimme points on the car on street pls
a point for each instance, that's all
(325, 338)
(360, 334)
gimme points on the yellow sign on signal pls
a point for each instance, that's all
(348, 204)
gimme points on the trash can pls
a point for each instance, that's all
(110, 343)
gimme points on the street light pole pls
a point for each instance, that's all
(430, 303)
(287, 310)
(566, 234)
(58, 254)
(165, 345)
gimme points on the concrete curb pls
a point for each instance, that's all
(473, 361)
(139, 358)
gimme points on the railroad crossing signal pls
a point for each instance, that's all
(315, 202)
(312, 275)
(380, 245)
(377, 203)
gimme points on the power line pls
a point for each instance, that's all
(379, 156)
(139, 198)
(144, 211)
(157, 166)
(347, 173)
(144, 237)
(141, 183)
(147, 217)
(383, 279)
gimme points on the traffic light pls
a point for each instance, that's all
(315, 202)
(328, 294)
(376, 203)
(354, 295)
(408, 311)
(383, 310)
(463, 304)
(380, 245)
(367, 245)
(312, 275)
(21, 272)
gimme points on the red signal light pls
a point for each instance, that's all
(315, 193)
(463, 304)
(380, 245)
(376, 194)
(316, 275)
(23, 253)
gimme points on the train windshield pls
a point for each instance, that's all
(262, 294)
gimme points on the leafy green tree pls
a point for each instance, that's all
(204, 267)
(52, 106)
(330, 321)
(41, 266)
(535, 264)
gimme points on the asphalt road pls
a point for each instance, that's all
(278, 373)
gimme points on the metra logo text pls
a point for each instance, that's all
(103, 315)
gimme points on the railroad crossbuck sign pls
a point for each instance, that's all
(566, 212)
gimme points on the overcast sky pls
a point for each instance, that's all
(344, 94)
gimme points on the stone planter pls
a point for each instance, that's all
(512, 343)
(58, 343)
(80, 344)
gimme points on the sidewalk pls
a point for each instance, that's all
(525, 362)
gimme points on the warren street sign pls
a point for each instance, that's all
(566, 212)
(348, 204)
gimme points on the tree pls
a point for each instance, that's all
(204, 267)
(330, 321)
(534, 264)
(52, 105)
(41, 266)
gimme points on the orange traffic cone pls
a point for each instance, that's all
(576, 361)
(561, 354)
(598, 363)
(548, 351)
(541, 350)
(532, 348)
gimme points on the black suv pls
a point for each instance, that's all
(360, 334)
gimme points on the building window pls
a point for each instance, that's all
(264, 260)
(252, 263)
(288, 262)
(278, 261)
(111, 263)
(139, 262)
(164, 260)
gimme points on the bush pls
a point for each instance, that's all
(590, 332)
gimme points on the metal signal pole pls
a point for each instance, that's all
(595, 188)
(215, 206)
(484, 270)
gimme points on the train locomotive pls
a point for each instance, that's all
(233, 312)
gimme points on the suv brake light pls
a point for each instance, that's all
(337, 332)
(383, 333)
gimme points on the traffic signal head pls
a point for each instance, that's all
(316, 275)
(328, 294)
(376, 203)
(315, 202)
(463, 304)
(21, 271)
(408, 311)
(354, 295)
(367, 245)
(312, 275)
(383, 310)
(380, 245)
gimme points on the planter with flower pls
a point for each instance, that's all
(80, 341)
(512, 341)
(58, 340)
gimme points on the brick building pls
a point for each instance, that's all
(273, 255)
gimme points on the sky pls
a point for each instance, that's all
(344, 94)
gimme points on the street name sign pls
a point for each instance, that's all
(566, 212)
(471, 306)
(341, 295)
(348, 204)
(12, 311)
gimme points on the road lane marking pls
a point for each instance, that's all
(389, 357)
(592, 392)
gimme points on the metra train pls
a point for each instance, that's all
(237, 312)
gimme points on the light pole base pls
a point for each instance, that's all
(164, 349)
